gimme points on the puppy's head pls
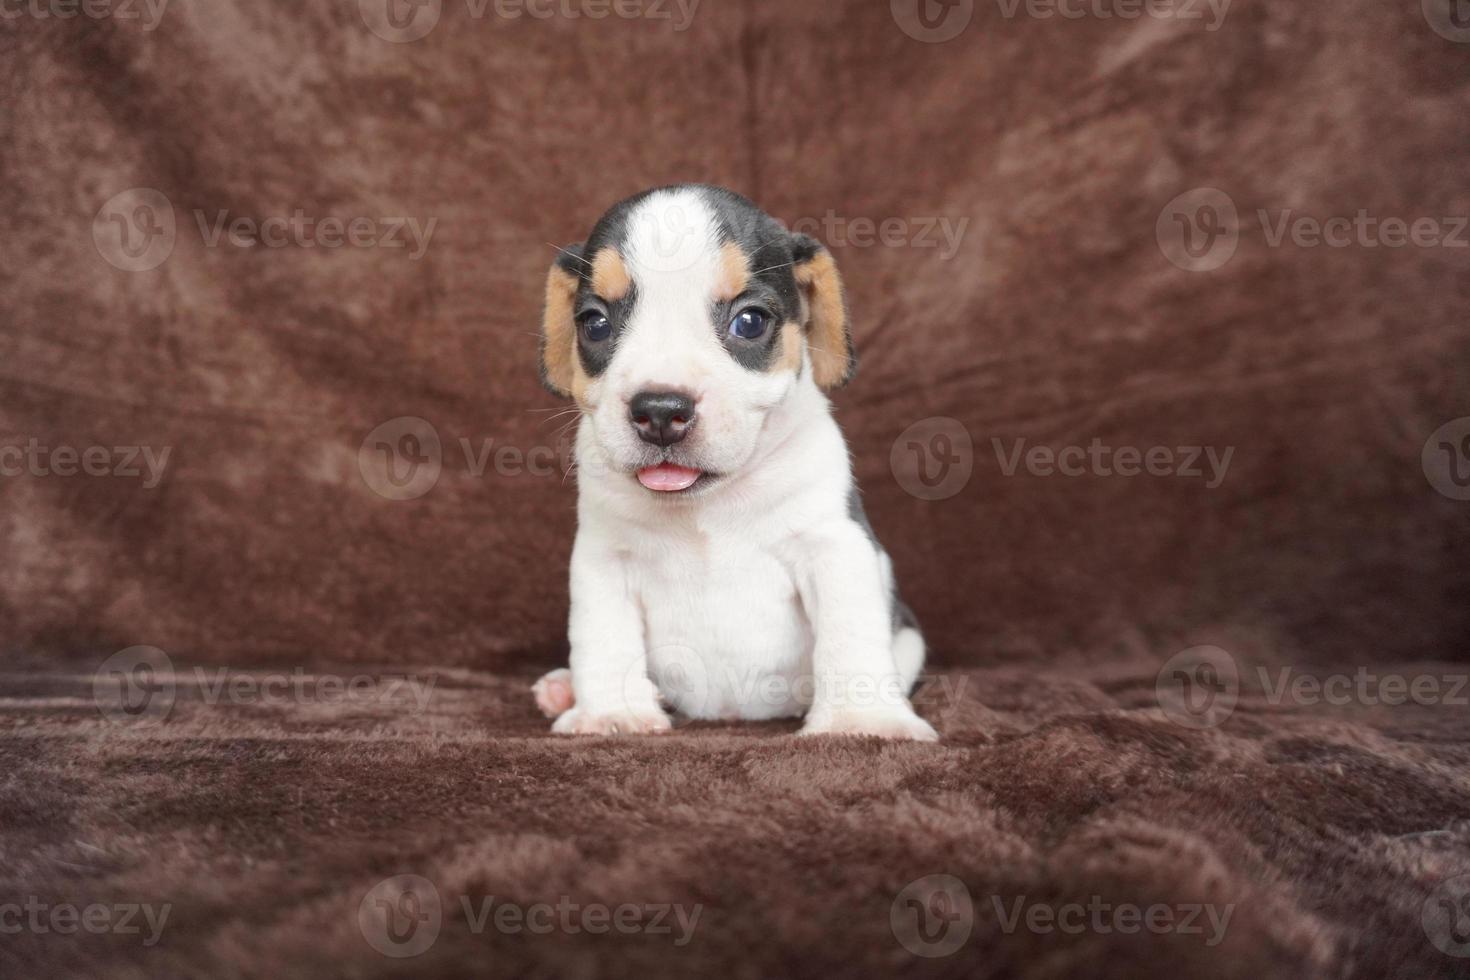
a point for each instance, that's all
(686, 317)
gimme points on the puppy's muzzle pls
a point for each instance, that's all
(661, 417)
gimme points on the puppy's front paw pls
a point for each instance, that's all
(891, 723)
(553, 693)
(628, 721)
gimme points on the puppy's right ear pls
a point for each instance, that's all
(558, 331)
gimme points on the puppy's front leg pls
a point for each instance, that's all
(857, 686)
(609, 665)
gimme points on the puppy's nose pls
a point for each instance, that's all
(661, 417)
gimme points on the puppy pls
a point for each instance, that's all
(723, 565)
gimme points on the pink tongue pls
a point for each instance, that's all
(668, 478)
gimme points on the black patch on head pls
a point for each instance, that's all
(772, 286)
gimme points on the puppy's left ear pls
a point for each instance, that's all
(829, 334)
(558, 331)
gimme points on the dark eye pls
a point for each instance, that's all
(596, 327)
(750, 324)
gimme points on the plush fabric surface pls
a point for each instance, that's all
(1053, 146)
(265, 822)
(1056, 320)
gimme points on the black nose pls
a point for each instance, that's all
(661, 417)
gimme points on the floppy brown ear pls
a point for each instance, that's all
(558, 331)
(829, 335)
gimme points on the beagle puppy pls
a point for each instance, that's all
(723, 566)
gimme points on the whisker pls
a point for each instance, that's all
(571, 254)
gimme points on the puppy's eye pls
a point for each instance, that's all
(595, 326)
(750, 324)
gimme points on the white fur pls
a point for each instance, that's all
(755, 597)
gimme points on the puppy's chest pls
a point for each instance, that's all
(721, 597)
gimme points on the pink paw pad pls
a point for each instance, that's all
(554, 693)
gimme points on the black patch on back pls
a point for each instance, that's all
(899, 612)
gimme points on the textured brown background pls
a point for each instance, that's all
(1058, 321)
(264, 821)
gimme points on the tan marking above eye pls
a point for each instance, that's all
(734, 274)
(791, 346)
(610, 279)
